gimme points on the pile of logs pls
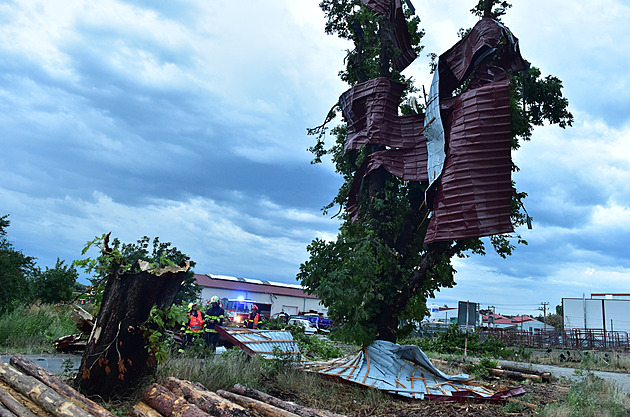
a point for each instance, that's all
(189, 399)
(28, 390)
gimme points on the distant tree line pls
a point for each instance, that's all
(22, 281)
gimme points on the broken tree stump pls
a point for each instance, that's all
(206, 400)
(169, 403)
(31, 368)
(116, 357)
(265, 409)
(44, 396)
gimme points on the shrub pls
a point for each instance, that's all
(32, 329)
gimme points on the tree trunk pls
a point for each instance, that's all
(116, 358)
(259, 406)
(206, 400)
(44, 396)
(5, 412)
(14, 405)
(143, 410)
(31, 368)
(276, 402)
(170, 404)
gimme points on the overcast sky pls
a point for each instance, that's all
(187, 120)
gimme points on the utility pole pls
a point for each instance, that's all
(544, 305)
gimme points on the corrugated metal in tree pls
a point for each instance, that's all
(475, 193)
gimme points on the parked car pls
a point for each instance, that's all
(305, 324)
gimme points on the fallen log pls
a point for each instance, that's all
(82, 319)
(70, 343)
(31, 368)
(517, 376)
(14, 405)
(5, 412)
(170, 404)
(269, 399)
(206, 400)
(143, 410)
(44, 396)
(258, 406)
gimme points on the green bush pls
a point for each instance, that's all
(453, 340)
(32, 329)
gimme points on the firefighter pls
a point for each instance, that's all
(194, 327)
(214, 317)
(252, 320)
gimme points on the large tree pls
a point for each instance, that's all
(378, 273)
(16, 272)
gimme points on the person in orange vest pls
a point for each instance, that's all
(194, 326)
(252, 320)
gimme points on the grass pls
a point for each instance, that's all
(591, 397)
(611, 361)
(33, 328)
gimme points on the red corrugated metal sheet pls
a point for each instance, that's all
(407, 159)
(475, 192)
(209, 282)
(371, 109)
(458, 62)
(402, 39)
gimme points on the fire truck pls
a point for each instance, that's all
(237, 310)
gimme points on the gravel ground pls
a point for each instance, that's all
(623, 380)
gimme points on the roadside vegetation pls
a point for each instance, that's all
(32, 329)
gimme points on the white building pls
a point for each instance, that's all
(606, 312)
(270, 297)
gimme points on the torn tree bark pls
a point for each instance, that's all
(44, 396)
(258, 406)
(31, 368)
(206, 400)
(116, 358)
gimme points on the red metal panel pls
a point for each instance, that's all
(371, 110)
(456, 63)
(402, 39)
(475, 193)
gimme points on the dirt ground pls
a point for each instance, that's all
(344, 399)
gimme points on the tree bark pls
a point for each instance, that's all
(169, 403)
(276, 402)
(206, 400)
(5, 412)
(116, 358)
(44, 396)
(259, 406)
(14, 405)
(143, 410)
(31, 368)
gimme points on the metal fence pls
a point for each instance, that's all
(591, 339)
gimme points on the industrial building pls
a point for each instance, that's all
(608, 312)
(270, 297)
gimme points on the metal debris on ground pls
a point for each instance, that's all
(405, 370)
(267, 343)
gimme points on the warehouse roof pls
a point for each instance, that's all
(251, 285)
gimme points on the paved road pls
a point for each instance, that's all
(623, 380)
(53, 363)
